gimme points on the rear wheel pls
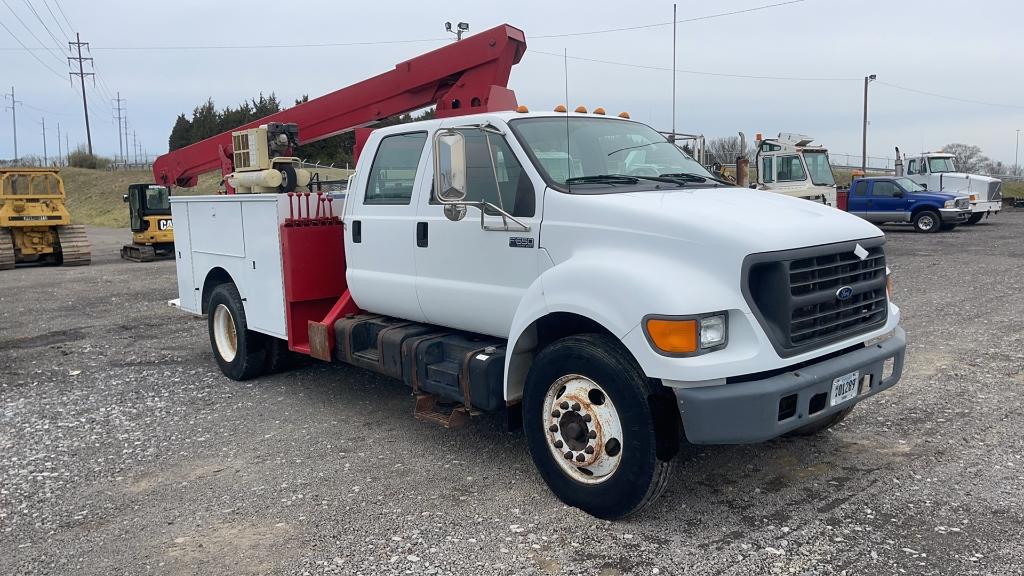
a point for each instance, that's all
(927, 221)
(975, 218)
(597, 427)
(240, 352)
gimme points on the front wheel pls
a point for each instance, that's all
(927, 221)
(975, 218)
(240, 352)
(601, 434)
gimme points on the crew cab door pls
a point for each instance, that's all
(468, 277)
(381, 225)
(887, 202)
(857, 203)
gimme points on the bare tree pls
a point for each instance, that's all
(725, 150)
(968, 157)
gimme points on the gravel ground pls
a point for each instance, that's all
(124, 451)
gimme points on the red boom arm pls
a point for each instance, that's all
(464, 77)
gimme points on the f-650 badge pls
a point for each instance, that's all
(520, 242)
(165, 224)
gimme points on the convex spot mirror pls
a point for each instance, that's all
(449, 167)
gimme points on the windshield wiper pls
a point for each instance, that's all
(688, 177)
(603, 179)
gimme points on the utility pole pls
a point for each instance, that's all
(673, 137)
(14, 121)
(67, 151)
(46, 159)
(60, 155)
(864, 144)
(1016, 155)
(77, 44)
(135, 147)
(120, 108)
(126, 139)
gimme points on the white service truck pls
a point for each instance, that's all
(570, 270)
(937, 172)
(791, 165)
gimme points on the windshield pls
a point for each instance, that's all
(589, 147)
(909, 185)
(819, 168)
(158, 198)
(941, 165)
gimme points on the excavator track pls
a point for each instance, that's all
(138, 253)
(75, 249)
(7, 256)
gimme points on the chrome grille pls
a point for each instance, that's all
(995, 190)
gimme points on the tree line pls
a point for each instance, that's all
(208, 121)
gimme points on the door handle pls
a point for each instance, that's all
(357, 231)
(421, 234)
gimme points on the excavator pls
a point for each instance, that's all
(149, 212)
(35, 225)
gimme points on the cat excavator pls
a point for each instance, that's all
(149, 211)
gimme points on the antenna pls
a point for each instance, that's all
(568, 159)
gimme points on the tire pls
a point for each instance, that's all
(975, 218)
(927, 221)
(240, 352)
(288, 178)
(278, 356)
(633, 430)
(821, 425)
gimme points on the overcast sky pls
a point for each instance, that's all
(961, 50)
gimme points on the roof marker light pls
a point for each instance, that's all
(522, 109)
(599, 111)
(560, 108)
(580, 110)
(624, 115)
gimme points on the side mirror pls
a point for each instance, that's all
(449, 167)
(124, 197)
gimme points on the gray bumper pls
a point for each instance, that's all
(954, 216)
(747, 412)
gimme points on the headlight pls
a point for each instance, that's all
(949, 204)
(890, 283)
(687, 335)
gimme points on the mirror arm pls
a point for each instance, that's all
(483, 206)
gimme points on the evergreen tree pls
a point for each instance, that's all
(181, 134)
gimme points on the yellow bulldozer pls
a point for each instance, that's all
(149, 213)
(35, 225)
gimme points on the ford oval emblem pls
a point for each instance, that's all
(844, 293)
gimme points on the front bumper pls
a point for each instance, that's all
(747, 412)
(954, 215)
(987, 207)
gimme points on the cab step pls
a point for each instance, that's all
(428, 410)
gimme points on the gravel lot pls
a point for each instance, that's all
(124, 451)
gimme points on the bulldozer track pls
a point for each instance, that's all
(7, 257)
(75, 249)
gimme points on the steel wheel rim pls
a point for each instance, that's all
(224, 333)
(582, 429)
(926, 222)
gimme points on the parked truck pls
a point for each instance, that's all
(501, 260)
(882, 199)
(936, 171)
(792, 165)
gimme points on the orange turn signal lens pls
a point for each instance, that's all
(673, 336)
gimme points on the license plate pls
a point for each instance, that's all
(844, 388)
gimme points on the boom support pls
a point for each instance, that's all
(465, 77)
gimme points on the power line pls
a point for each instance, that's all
(659, 24)
(945, 97)
(45, 27)
(59, 25)
(61, 10)
(33, 54)
(698, 72)
(33, 34)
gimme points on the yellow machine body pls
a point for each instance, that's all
(35, 224)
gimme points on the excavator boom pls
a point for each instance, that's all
(465, 77)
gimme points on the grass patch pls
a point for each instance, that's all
(1013, 189)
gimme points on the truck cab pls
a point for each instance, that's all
(570, 270)
(885, 199)
(937, 171)
(791, 165)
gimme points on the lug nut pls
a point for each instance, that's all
(580, 458)
(555, 414)
(589, 449)
(587, 417)
(576, 406)
(558, 444)
(592, 434)
(568, 455)
(564, 405)
(553, 428)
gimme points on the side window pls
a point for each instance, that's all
(912, 166)
(393, 172)
(791, 168)
(884, 189)
(494, 174)
(767, 175)
(861, 189)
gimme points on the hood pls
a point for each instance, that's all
(751, 220)
(936, 196)
(981, 186)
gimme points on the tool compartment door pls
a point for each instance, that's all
(187, 292)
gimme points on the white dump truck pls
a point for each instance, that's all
(791, 165)
(510, 262)
(936, 171)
